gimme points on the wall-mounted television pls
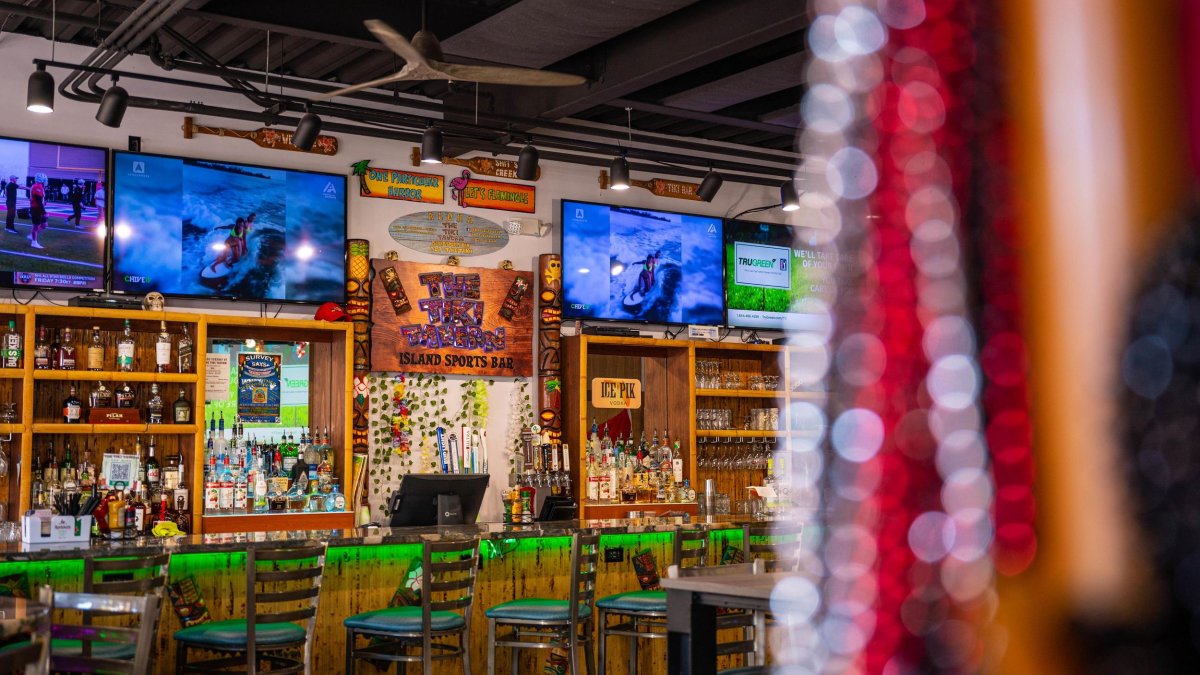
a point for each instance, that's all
(53, 210)
(213, 229)
(622, 263)
(772, 272)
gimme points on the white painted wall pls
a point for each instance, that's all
(74, 122)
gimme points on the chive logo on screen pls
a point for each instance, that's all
(763, 266)
(131, 279)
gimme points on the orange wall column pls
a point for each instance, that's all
(1100, 162)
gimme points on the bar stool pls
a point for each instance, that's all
(272, 637)
(543, 623)
(643, 614)
(100, 642)
(450, 576)
(777, 544)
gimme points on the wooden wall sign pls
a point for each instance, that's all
(264, 137)
(406, 186)
(615, 392)
(358, 307)
(487, 166)
(467, 191)
(428, 318)
(549, 344)
(448, 233)
(661, 187)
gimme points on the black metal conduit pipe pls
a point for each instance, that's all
(465, 139)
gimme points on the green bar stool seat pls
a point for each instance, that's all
(544, 623)
(642, 615)
(232, 634)
(283, 587)
(448, 570)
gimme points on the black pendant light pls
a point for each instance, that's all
(431, 146)
(40, 95)
(113, 105)
(710, 185)
(788, 199)
(618, 173)
(527, 162)
(307, 130)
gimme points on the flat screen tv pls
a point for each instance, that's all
(641, 265)
(205, 228)
(53, 215)
(772, 273)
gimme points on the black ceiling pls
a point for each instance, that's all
(727, 70)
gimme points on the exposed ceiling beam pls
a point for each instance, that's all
(683, 41)
(702, 116)
(760, 80)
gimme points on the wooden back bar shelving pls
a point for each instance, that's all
(667, 370)
(39, 395)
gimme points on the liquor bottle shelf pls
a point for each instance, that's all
(110, 375)
(12, 428)
(12, 373)
(161, 429)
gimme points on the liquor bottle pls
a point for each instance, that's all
(141, 460)
(183, 408)
(153, 470)
(125, 396)
(162, 349)
(260, 489)
(55, 348)
(141, 505)
(125, 350)
(163, 514)
(101, 396)
(170, 473)
(240, 488)
(336, 501)
(279, 479)
(95, 351)
(154, 407)
(211, 492)
(689, 495)
(66, 351)
(13, 353)
(325, 471)
(72, 408)
(289, 453)
(41, 351)
(185, 350)
(66, 471)
(87, 471)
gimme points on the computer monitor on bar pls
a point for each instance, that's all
(437, 499)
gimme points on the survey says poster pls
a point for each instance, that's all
(259, 390)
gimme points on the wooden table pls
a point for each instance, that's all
(692, 604)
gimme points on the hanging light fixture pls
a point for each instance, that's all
(527, 162)
(618, 169)
(39, 97)
(788, 199)
(710, 185)
(113, 105)
(307, 130)
(431, 146)
(618, 173)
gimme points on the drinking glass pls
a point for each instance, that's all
(732, 380)
(8, 413)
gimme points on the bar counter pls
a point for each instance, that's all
(364, 567)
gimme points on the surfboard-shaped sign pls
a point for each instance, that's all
(448, 233)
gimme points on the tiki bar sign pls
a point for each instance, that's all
(446, 319)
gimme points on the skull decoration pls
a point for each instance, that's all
(153, 302)
(391, 255)
(452, 260)
(506, 265)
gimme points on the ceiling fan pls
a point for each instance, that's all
(424, 60)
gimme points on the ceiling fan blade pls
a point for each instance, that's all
(394, 77)
(527, 77)
(394, 41)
